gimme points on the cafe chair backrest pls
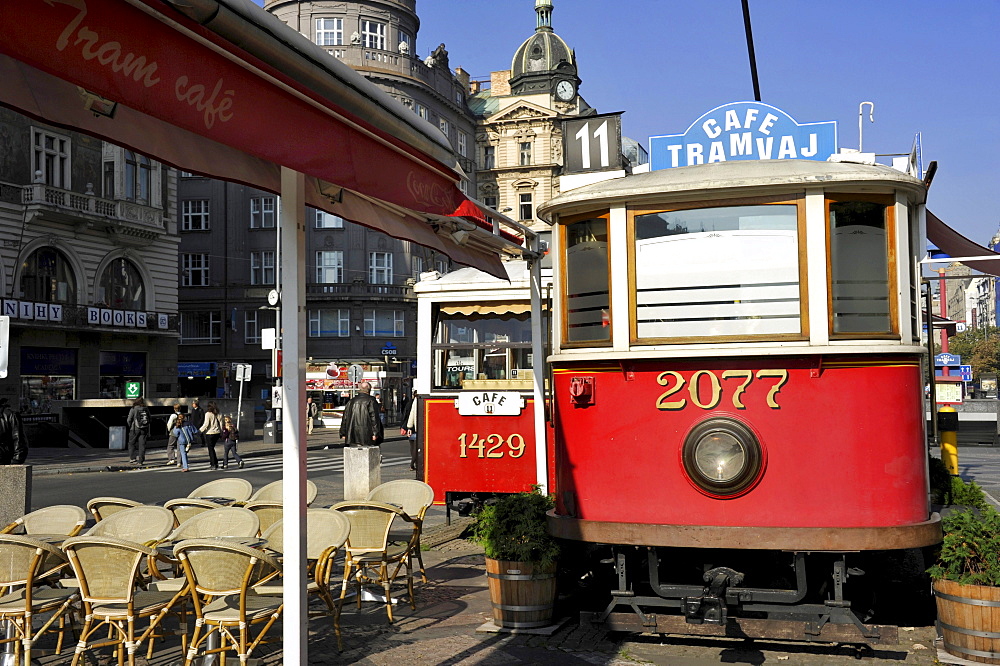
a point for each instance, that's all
(227, 521)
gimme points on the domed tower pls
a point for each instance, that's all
(544, 62)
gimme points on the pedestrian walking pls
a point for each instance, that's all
(13, 444)
(361, 425)
(230, 438)
(212, 430)
(138, 431)
(171, 438)
(410, 430)
(197, 419)
(185, 435)
(312, 411)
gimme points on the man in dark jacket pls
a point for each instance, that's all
(13, 444)
(138, 431)
(361, 425)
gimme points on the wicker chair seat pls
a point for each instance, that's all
(144, 603)
(42, 601)
(226, 610)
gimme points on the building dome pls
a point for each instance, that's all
(544, 50)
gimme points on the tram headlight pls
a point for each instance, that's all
(722, 457)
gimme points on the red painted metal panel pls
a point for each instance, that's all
(844, 442)
(457, 459)
(114, 49)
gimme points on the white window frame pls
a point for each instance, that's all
(525, 152)
(445, 127)
(54, 161)
(398, 323)
(441, 266)
(330, 31)
(380, 267)
(194, 263)
(417, 264)
(420, 110)
(404, 38)
(262, 267)
(489, 157)
(262, 212)
(328, 261)
(214, 329)
(463, 144)
(342, 317)
(373, 34)
(251, 328)
(195, 215)
(525, 206)
(325, 220)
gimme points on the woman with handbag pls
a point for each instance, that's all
(212, 429)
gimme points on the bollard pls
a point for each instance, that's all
(948, 434)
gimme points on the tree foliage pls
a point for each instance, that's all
(979, 348)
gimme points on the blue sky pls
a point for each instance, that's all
(929, 66)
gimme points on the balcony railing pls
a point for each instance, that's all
(360, 290)
(126, 217)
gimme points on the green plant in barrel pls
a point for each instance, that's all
(513, 529)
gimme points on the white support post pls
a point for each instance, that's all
(293, 327)
(538, 366)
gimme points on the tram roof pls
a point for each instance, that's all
(721, 177)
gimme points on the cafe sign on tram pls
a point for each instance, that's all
(744, 131)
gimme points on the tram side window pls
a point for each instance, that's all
(718, 272)
(859, 267)
(491, 346)
(588, 284)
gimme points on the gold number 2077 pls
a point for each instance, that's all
(705, 388)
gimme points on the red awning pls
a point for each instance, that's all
(214, 105)
(955, 244)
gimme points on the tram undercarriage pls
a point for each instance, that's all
(808, 596)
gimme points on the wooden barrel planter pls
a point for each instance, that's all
(969, 617)
(523, 594)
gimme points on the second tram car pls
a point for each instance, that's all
(737, 397)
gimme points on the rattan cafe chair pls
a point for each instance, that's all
(414, 497)
(102, 507)
(108, 573)
(272, 492)
(225, 521)
(267, 512)
(185, 507)
(26, 568)
(368, 556)
(232, 488)
(326, 533)
(144, 524)
(222, 577)
(60, 519)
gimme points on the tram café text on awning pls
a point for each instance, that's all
(744, 131)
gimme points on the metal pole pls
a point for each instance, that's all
(292, 322)
(930, 359)
(538, 368)
(753, 58)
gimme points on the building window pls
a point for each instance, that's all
(525, 153)
(445, 127)
(420, 110)
(137, 177)
(380, 267)
(254, 321)
(373, 34)
(489, 157)
(441, 266)
(46, 277)
(201, 328)
(384, 323)
(262, 213)
(262, 267)
(405, 39)
(329, 266)
(526, 210)
(334, 323)
(418, 266)
(109, 179)
(50, 156)
(121, 287)
(46, 374)
(117, 368)
(330, 31)
(194, 270)
(194, 215)
(325, 220)
(463, 144)
(490, 201)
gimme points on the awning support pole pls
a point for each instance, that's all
(538, 365)
(293, 296)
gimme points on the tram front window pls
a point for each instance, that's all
(588, 283)
(718, 272)
(481, 343)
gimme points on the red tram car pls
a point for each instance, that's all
(737, 399)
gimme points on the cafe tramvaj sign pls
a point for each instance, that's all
(744, 131)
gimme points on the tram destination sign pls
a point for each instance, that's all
(744, 131)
